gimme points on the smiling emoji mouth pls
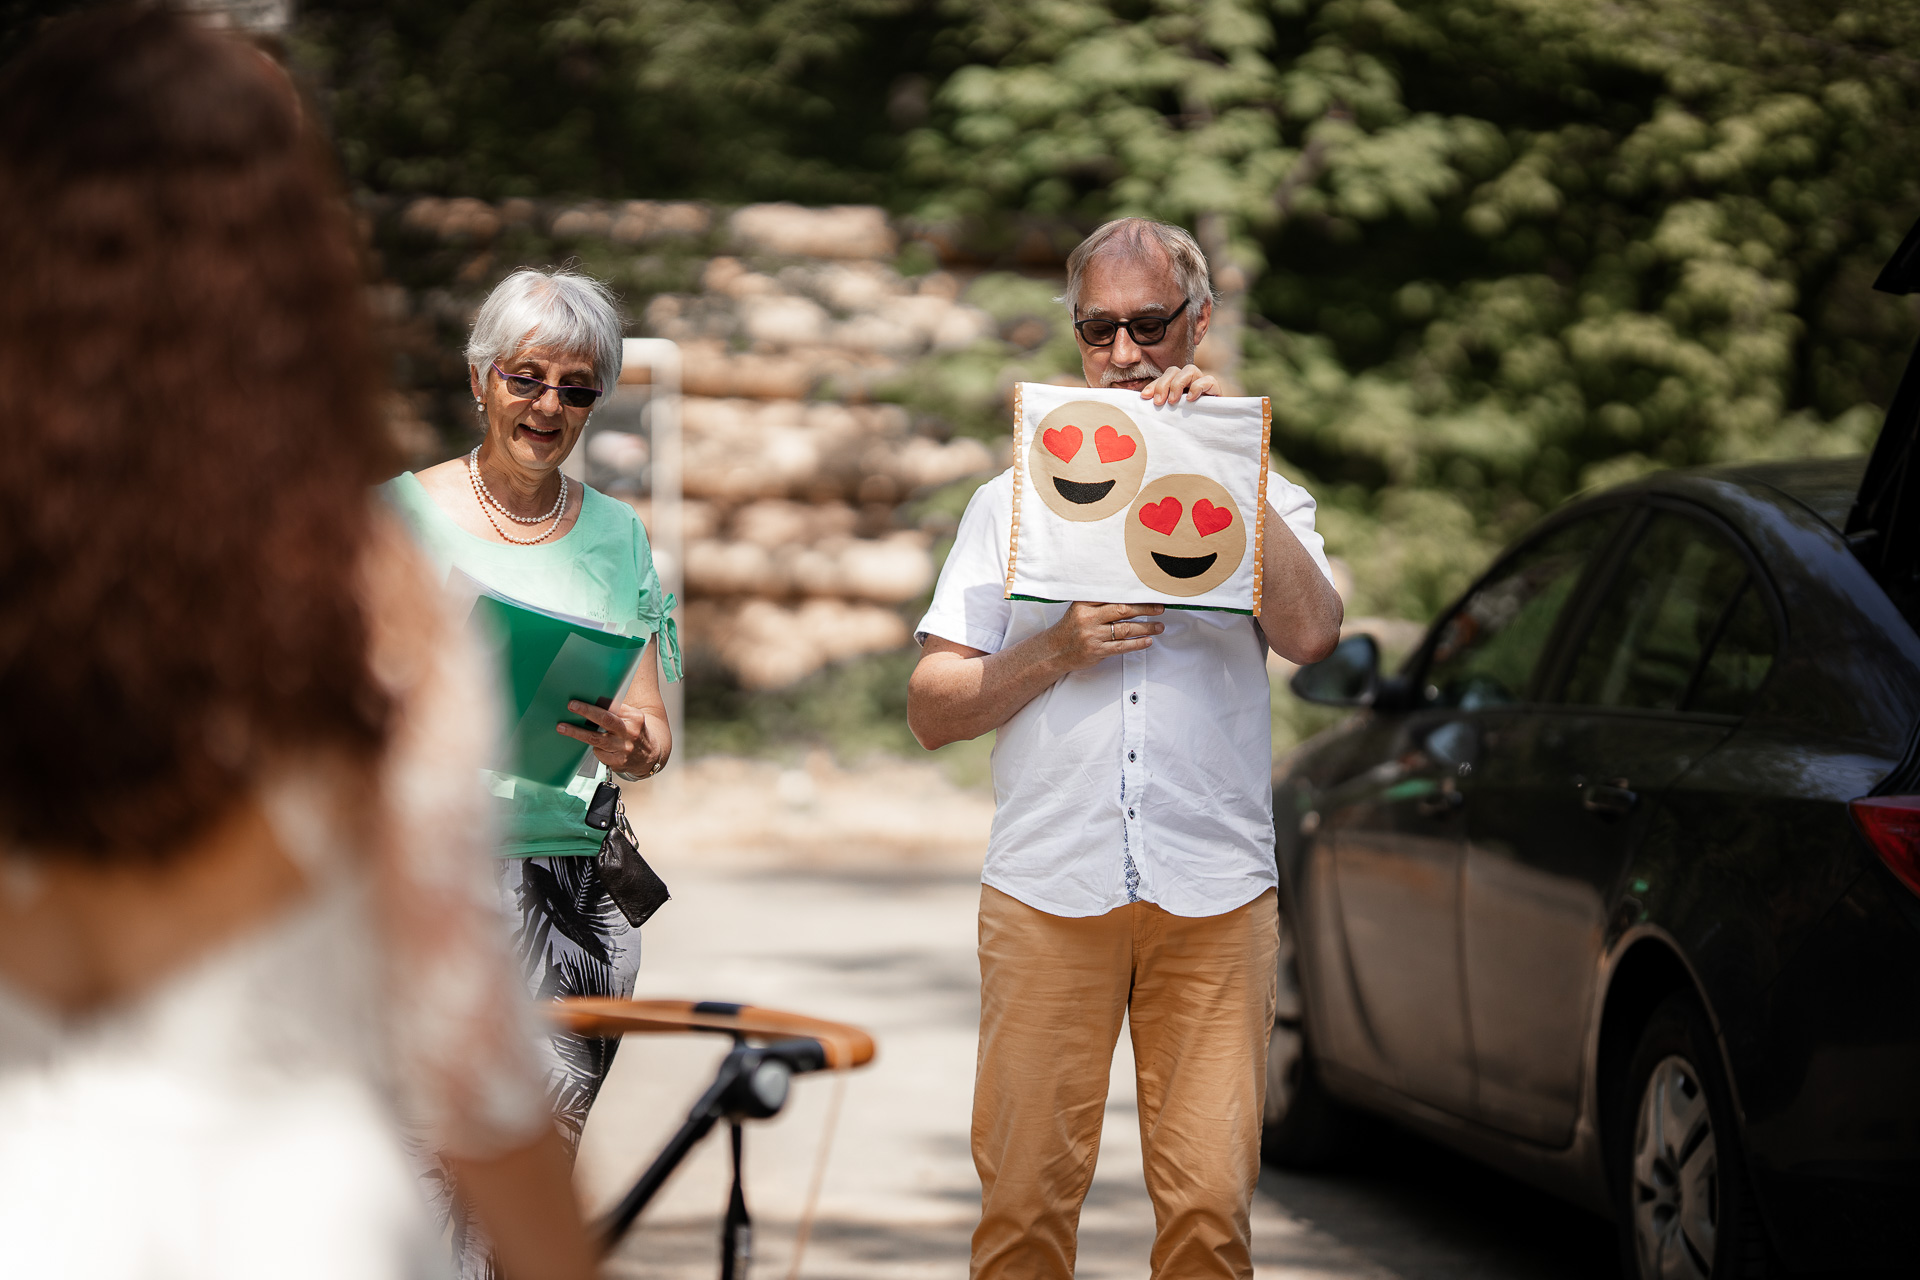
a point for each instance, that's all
(1084, 494)
(1184, 566)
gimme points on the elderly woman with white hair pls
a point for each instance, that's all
(545, 348)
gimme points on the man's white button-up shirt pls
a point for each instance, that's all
(1146, 776)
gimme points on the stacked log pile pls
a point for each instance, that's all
(798, 552)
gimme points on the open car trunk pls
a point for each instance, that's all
(1884, 526)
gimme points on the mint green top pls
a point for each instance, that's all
(602, 568)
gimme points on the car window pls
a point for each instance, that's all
(1741, 657)
(1486, 652)
(1681, 589)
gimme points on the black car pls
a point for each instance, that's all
(1616, 883)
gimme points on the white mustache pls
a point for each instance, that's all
(1129, 372)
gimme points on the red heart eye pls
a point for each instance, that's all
(1161, 516)
(1209, 519)
(1112, 446)
(1062, 444)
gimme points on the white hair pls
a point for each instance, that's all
(1131, 237)
(560, 309)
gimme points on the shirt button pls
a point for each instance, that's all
(1129, 813)
(1130, 757)
(1133, 697)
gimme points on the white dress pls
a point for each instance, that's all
(254, 1114)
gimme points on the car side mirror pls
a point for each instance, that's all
(1347, 677)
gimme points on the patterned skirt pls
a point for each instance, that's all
(571, 940)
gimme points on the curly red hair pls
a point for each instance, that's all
(193, 431)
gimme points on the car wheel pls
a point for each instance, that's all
(1301, 1126)
(1686, 1213)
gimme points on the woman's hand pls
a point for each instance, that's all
(630, 739)
(1185, 381)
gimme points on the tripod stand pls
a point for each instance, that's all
(752, 1083)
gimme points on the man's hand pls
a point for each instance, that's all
(957, 693)
(1088, 632)
(1187, 381)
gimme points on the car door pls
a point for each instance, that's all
(1561, 795)
(1397, 832)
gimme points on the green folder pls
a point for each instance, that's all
(548, 659)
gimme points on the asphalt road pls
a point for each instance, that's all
(852, 895)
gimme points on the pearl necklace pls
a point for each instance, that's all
(487, 494)
(489, 504)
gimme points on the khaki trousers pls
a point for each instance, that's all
(1199, 996)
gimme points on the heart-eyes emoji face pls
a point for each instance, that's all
(1087, 460)
(1185, 535)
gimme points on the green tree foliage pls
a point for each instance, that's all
(725, 99)
(1504, 249)
(1498, 251)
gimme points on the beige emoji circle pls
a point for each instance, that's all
(1185, 535)
(1087, 459)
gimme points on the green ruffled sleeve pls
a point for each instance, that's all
(660, 622)
(653, 614)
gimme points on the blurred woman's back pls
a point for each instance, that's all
(244, 905)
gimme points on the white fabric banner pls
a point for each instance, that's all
(1117, 501)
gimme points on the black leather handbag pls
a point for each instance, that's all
(635, 887)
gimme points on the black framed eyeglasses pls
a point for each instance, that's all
(1146, 331)
(521, 387)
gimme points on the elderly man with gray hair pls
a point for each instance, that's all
(1130, 871)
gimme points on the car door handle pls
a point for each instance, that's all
(1608, 799)
(1441, 803)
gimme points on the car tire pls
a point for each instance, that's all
(1684, 1205)
(1301, 1126)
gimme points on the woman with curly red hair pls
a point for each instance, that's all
(246, 922)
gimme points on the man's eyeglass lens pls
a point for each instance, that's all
(525, 388)
(1145, 331)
